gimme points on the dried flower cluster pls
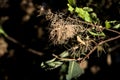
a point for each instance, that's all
(61, 32)
(62, 29)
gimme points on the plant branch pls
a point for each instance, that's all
(114, 48)
(102, 42)
(63, 59)
(111, 30)
(87, 56)
(23, 46)
(94, 25)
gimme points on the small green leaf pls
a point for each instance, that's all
(55, 64)
(43, 65)
(2, 31)
(74, 70)
(72, 2)
(87, 17)
(77, 10)
(49, 61)
(107, 24)
(70, 8)
(94, 17)
(83, 14)
(112, 21)
(96, 34)
(116, 26)
(51, 64)
(88, 9)
(64, 54)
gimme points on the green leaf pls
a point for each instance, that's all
(63, 71)
(112, 21)
(94, 17)
(77, 10)
(55, 64)
(70, 8)
(88, 9)
(116, 26)
(64, 54)
(74, 70)
(63, 68)
(107, 24)
(2, 31)
(72, 2)
(49, 61)
(96, 34)
(51, 64)
(87, 17)
(83, 14)
(43, 65)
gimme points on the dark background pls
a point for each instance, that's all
(24, 65)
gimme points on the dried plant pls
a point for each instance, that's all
(60, 33)
(62, 29)
(81, 36)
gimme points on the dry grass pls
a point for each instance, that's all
(60, 33)
(62, 29)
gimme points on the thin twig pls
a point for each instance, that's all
(111, 30)
(63, 59)
(114, 48)
(87, 56)
(110, 39)
(66, 59)
(23, 46)
(83, 22)
(102, 42)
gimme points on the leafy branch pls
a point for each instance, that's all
(84, 35)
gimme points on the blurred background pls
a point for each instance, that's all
(24, 21)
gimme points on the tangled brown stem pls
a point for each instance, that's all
(102, 42)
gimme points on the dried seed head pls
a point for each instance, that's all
(61, 33)
(63, 28)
